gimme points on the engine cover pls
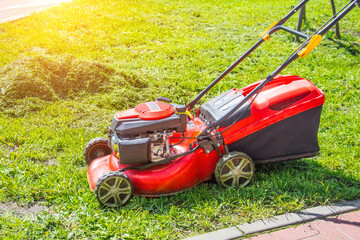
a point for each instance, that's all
(147, 118)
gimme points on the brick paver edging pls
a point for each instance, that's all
(280, 221)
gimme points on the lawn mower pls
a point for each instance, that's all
(160, 148)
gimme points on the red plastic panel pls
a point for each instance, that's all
(147, 111)
(130, 113)
(154, 110)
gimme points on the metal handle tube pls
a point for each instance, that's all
(352, 5)
(337, 28)
(247, 53)
(203, 92)
(293, 11)
(321, 32)
(300, 19)
(295, 32)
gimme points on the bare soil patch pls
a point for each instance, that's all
(22, 211)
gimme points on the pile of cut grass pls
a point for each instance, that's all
(50, 77)
(38, 77)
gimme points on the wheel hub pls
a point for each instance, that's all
(234, 169)
(99, 153)
(237, 173)
(114, 191)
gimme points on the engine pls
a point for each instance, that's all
(141, 134)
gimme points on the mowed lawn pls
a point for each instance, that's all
(64, 72)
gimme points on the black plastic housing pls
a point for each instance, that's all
(135, 126)
(221, 105)
(292, 138)
(134, 151)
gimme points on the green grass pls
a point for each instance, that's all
(94, 58)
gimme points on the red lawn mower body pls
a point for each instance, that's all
(280, 124)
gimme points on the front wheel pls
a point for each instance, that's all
(235, 169)
(114, 189)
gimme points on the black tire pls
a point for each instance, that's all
(114, 189)
(235, 169)
(95, 148)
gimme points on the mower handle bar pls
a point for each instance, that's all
(302, 51)
(247, 53)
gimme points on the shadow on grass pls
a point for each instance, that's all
(352, 48)
(278, 187)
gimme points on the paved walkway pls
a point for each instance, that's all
(344, 226)
(14, 9)
(334, 222)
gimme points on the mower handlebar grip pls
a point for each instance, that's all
(266, 37)
(314, 41)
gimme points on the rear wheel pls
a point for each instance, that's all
(235, 169)
(95, 148)
(113, 189)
